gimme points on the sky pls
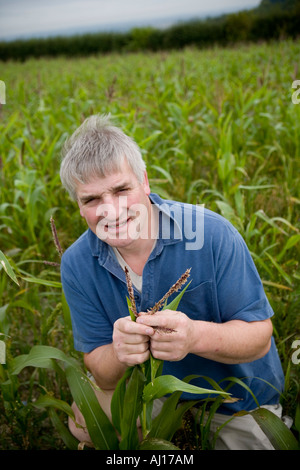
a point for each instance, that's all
(31, 18)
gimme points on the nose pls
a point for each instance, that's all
(111, 207)
(106, 210)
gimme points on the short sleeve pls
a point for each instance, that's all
(239, 288)
(91, 327)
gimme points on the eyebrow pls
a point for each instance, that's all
(113, 189)
(86, 198)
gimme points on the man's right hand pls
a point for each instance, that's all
(131, 341)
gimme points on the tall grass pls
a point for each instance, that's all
(216, 127)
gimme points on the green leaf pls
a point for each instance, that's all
(168, 384)
(40, 356)
(156, 367)
(7, 267)
(132, 409)
(47, 401)
(157, 444)
(129, 305)
(66, 312)
(175, 302)
(169, 419)
(100, 429)
(280, 270)
(117, 402)
(235, 380)
(70, 441)
(44, 282)
(277, 432)
(292, 241)
(262, 186)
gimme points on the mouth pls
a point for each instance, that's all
(116, 225)
(127, 227)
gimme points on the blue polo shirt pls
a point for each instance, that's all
(225, 286)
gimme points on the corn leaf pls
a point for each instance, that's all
(129, 305)
(157, 444)
(175, 302)
(117, 402)
(169, 419)
(165, 384)
(47, 401)
(100, 429)
(236, 380)
(7, 267)
(70, 441)
(133, 408)
(44, 282)
(40, 356)
(280, 270)
(277, 432)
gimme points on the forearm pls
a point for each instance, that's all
(233, 342)
(105, 367)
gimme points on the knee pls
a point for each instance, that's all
(78, 427)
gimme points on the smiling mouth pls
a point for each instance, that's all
(116, 225)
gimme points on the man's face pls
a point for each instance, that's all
(116, 207)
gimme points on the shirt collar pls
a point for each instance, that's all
(169, 229)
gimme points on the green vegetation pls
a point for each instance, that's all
(272, 20)
(216, 126)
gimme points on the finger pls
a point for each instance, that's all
(126, 325)
(160, 319)
(133, 359)
(164, 352)
(136, 339)
(161, 346)
(160, 354)
(136, 348)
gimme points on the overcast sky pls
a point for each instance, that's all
(33, 17)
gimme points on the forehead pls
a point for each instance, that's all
(101, 184)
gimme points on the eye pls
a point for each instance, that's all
(90, 201)
(122, 190)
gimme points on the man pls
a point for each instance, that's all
(223, 327)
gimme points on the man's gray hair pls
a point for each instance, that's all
(96, 149)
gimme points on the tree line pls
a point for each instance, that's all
(270, 21)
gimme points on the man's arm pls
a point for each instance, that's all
(130, 346)
(232, 342)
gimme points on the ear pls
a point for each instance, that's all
(146, 185)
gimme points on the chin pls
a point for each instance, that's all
(115, 243)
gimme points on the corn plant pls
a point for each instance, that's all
(133, 398)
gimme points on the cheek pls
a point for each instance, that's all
(88, 214)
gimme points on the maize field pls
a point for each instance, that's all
(218, 126)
